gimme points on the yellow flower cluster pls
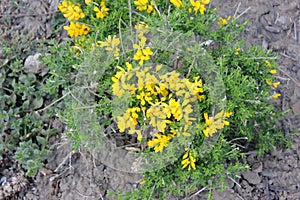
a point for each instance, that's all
(160, 98)
(129, 120)
(237, 51)
(111, 44)
(188, 159)
(76, 29)
(199, 5)
(74, 13)
(71, 11)
(102, 11)
(213, 124)
(195, 5)
(274, 84)
(268, 63)
(145, 5)
(223, 21)
(143, 53)
(160, 142)
(177, 3)
(80, 44)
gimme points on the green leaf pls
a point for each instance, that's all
(37, 103)
(41, 140)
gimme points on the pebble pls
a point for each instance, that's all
(252, 177)
(269, 173)
(33, 65)
(257, 167)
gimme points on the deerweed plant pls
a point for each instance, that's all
(196, 99)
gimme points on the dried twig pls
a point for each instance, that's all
(237, 9)
(294, 59)
(51, 104)
(288, 75)
(195, 194)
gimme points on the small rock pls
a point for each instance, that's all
(296, 108)
(252, 177)
(226, 194)
(257, 167)
(275, 152)
(284, 22)
(269, 173)
(33, 65)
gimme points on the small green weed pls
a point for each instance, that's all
(24, 131)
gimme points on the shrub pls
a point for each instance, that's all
(175, 81)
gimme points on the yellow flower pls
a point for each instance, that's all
(268, 63)
(205, 2)
(223, 21)
(199, 5)
(273, 71)
(161, 89)
(151, 7)
(228, 114)
(275, 96)
(88, 2)
(177, 3)
(141, 4)
(158, 67)
(71, 11)
(123, 121)
(120, 79)
(144, 5)
(138, 132)
(275, 85)
(117, 90)
(141, 97)
(208, 121)
(101, 13)
(141, 74)
(269, 82)
(160, 142)
(142, 182)
(128, 120)
(142, 54)
(175, 108)
(188, 159)
(162, 124)
(76, 29)
(237, 51)
(141, 28)
(213, 124)
(111, 44)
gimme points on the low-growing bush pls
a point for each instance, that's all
(174, 81)
(24, 130)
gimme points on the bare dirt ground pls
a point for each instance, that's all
(273, 24)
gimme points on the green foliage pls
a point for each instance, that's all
(212, 171)
(242, 78)
(24, 131)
